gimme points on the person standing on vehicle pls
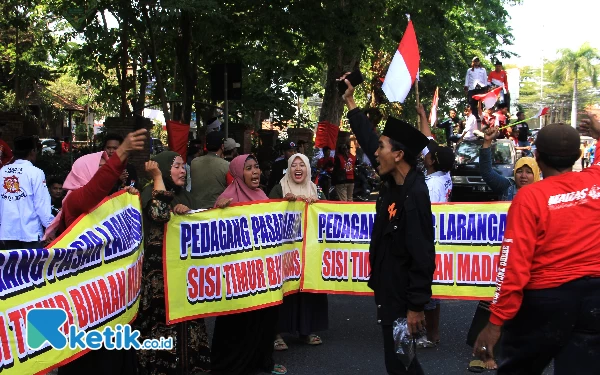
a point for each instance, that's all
(498, 77)
(548, 284)
(344, 167)
(438, 161)
(476, 82)
(470, 131)
(402, 252)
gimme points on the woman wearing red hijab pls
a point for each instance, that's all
(243, 343)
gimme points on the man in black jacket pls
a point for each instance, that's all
(402, 252)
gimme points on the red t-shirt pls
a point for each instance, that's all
(326, 164)
(551, 238)
(6, 154)
(347, 165)
(501, 77)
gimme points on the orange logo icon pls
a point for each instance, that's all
(392, 210)
(11, 184)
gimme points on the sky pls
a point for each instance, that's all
(541, 27)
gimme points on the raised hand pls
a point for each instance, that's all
(589, 124)
(152, 169)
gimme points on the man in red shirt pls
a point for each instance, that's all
(343, 173)
(547, 300)
(498, 77)
(325, 164)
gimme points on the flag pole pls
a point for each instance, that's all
(418, 103)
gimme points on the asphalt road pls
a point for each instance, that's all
(353, 343)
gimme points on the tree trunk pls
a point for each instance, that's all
(574, 103)
(124, 62)
(155, 68)
(141, 100)
(187, 68)
(333, 105)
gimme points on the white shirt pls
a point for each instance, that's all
(24, 202)
(475, 77)
(470, 127)
(440, 186)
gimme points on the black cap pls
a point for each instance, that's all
(215, 139)
(25, 143)
(405, 133)
(288, 145)
(498, 62)
(558, 140)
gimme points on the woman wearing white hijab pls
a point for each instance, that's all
(302, 313)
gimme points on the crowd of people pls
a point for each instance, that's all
(546, 301)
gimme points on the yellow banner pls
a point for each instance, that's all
(93, 272)
(241, 258)
(467, 236)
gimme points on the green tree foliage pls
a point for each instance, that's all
(162, 50)
(569, 67)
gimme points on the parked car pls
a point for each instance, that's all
(48, 146)
(467, 183)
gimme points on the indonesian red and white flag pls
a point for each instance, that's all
(490, 98)
(404, 67)
(434, 107)
(541, 112)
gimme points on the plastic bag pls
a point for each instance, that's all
(405, 344)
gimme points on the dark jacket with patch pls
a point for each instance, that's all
(402, 251)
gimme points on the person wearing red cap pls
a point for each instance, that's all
(547, 295)
(402, 251)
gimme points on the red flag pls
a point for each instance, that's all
(404, 67)
(177, 135)
(327, 134)
(434, 107)
(541, 112)
(490, 98)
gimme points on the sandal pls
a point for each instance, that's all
(479, 366)
(280, 345)
(279, 370)
(313, 339)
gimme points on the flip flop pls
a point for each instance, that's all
(477, 366)
(280, 345)
(279, 370)
(313, 340)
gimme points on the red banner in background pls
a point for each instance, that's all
(177, 134)
(327, 134)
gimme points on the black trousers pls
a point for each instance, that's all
(560, 323)
(392, 364)
(16, 245)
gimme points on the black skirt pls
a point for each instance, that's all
(304, 313)
(243, 343)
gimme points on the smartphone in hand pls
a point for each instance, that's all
(355, 79)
